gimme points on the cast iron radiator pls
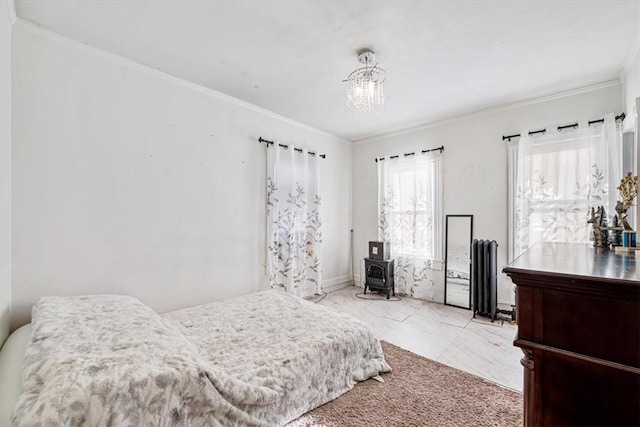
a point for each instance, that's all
(484, 277)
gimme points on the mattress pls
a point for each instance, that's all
(11, 358)
(261, 359)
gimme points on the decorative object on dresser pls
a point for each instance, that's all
(379, 276)
(628, 189)
(598, 220)
(621, 233)
(579, 330)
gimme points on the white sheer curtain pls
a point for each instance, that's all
(556, 178)
(294, 234)
(409, 217)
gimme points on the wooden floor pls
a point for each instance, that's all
(447, 334)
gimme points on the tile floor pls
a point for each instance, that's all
(447, 334)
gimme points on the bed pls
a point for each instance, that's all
(262, 359)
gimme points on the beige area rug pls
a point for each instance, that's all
(419, 392)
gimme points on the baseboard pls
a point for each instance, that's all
(336, 283)
(506, 303)
(357, 281)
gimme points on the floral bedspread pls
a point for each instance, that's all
(261, 359)
(308, 353)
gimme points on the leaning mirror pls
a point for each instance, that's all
(457, 262)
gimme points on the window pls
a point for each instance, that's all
(410, 209)
(410, 217)
(554, 181)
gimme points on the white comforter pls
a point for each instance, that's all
(261, 359)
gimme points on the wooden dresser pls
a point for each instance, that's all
(578, 311)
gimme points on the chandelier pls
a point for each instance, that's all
(365, 86)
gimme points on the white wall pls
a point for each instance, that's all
(631, 75)
(6, 18)
(130, 181)
(475, 165)
(631, 96)
(631, 82)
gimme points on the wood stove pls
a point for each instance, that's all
(379, 276)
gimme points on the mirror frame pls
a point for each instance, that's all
(446, 256)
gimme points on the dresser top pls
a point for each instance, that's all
(577, 259)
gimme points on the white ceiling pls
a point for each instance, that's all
(443, 58)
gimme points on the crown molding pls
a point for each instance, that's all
(91, 50)
(487, 111)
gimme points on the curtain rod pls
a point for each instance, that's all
(441, 149)
(560, 128)
(299, 150)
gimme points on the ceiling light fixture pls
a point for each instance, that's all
(365, 86)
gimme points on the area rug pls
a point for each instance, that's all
(419, 392)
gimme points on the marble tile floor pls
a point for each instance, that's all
(447, 334)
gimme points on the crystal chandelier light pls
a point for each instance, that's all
(365, 86)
